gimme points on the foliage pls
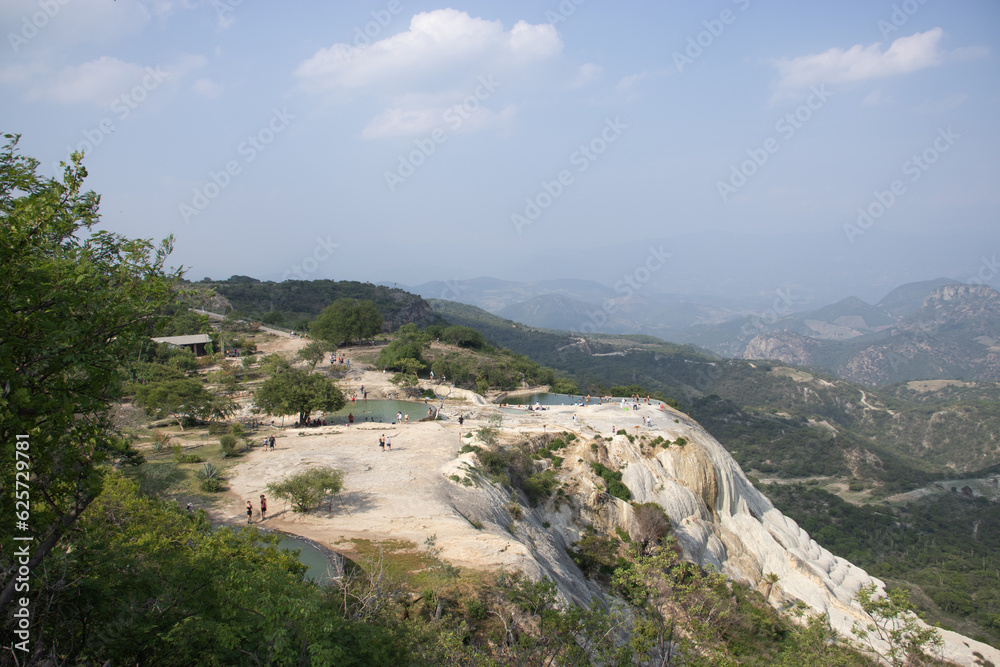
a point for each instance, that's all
(346, 320)
(313, 352)
(291, 391)
(946, 545)
(893, 632)
(463, 336)
(649, 523)
(306, 489)
(227, 444)
(185, 399)
(76, 303)
(303, 300)
(153, 584)
(612, 481)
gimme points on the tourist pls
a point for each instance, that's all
(406, 419)
(388, 444)
(263, 507)
(249, 512)
(350, 419)
(461, 420)
(271, 442)
(381, 443)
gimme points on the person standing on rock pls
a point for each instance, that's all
(381, 442)
(249, 513)
(263, 507)
(388, 444)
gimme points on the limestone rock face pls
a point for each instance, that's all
(722, 520)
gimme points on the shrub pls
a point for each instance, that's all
(187, 458)
(613, 481)
(515, 511)
(540, 486)
(217, 428)
(228, 445)
(211, 485)
(680, 442)
(469, 448)
(650, 523)
(306, 489)
(475, 609)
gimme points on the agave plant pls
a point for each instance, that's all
(210, 471)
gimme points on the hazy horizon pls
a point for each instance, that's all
(738, 148)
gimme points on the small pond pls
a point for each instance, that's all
(319, 567)
(383, 411)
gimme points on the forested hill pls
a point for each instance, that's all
(294, 302)
(773, 418)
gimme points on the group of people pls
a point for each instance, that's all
(385, 443)
(263, 509)
(341, 360)
(268, 444)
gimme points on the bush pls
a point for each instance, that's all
(187, 458)
(217, 428)
(540, 486)
(650, 523)
(306, 489)
(613, 481)
(228, 444)
(211, 485)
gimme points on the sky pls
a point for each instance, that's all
(843, 147)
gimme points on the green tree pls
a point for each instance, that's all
(153, 584)
(345, 320)
(185, 399)
(893, 632)
(77, 303)
(292, 391)
(313, 352)
(306, 489)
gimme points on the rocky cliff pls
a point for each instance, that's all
(719, 518)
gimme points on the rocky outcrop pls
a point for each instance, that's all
(719, 518)
(784, 346)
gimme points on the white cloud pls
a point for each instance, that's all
(859, 63)
(629, 87)
(456, 119)
(96, 82)
(207, 88)
(438, 43)
(876, 98)
(99, 82)
(440, 73)
(586, 74)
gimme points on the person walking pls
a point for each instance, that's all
(388, 444)
(263, 507)
(249, 512)
(381, 442)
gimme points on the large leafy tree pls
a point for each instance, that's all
(185, 399)
(292, 391)
(76, 303)
(346, 320)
